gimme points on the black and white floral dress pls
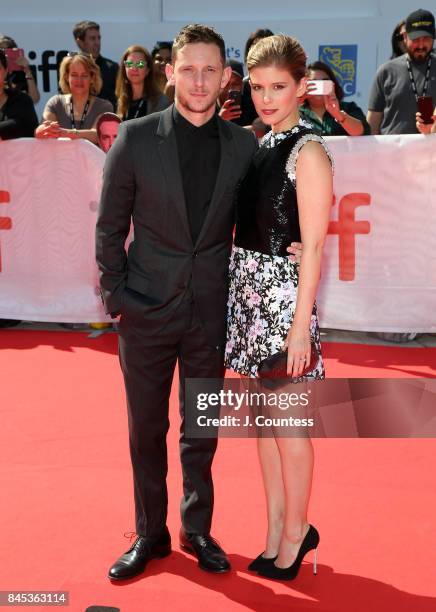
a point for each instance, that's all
(263, 281)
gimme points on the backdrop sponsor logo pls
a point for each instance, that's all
(49, 64)
(346, 227)
(342, 59)
(5, 222)
(233, 53)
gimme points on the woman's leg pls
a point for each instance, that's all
(271, 467)
(296, 456)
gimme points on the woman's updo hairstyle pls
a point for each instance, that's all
(279, 50)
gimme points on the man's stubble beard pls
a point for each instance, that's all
(185, 104)
(420, 59)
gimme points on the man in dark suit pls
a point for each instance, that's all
(174, 174)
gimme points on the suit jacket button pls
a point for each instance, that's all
(194, 254)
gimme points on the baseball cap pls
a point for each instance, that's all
(236, 67)
(420, 23)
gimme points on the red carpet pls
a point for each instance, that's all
(67, 494)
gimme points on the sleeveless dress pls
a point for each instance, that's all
(263, 281)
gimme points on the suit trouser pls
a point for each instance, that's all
(148, 352)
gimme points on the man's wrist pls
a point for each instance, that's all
(342, 117)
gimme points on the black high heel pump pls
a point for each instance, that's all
(310, 542)
(259, 562)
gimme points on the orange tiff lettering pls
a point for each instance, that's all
(5, 222)
(346, 227)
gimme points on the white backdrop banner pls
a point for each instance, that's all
(49, 193)
(379, 268)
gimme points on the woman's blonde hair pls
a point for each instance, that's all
(123, 89)
(88, 61)
(279, 50)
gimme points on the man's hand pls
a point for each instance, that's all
(423, 128)
(230, 110)
(295, 250)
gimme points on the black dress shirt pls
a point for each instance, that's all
(199, 158)
(108, 71)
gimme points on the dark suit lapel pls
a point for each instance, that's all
(167, 148)
(223, 176)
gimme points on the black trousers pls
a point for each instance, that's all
(149, 349)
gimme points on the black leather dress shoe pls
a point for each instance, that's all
(133, 561)
(209, 553)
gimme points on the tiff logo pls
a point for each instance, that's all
(5, 222)
(46, 67)
(346, 227)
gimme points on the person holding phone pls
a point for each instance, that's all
(229, 100)
(327, 112)
(20, 75)
(17, 120)
(17, 113)
(400, 83)
(74, 113)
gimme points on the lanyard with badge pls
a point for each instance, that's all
(82, 120)
(140, 105)
(412, 78)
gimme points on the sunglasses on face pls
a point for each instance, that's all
(130, 64)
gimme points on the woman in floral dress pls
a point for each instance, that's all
(285, 197)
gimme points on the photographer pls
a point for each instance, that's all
(403, 84)
(20, 76)
(17, 114)
(229, 100)
(329, 114)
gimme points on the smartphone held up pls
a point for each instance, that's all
(425, 107)
(13, 56)
(320, 87)
(235, 96)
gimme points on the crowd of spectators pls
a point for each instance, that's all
(96, 94)
(400, 83)
(91, 85)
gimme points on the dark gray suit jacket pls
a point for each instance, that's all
(142, 182)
